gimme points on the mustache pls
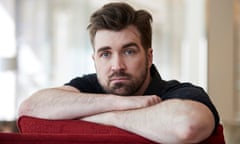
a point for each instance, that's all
(119, 74)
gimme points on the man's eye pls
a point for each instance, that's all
(129, 52)
(105, 54)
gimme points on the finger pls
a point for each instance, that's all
(156, 99)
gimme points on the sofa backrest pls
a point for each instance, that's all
(33, 125)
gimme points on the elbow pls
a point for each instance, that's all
(30, 106)
(187, 134)
(193, 132)
(25, 109)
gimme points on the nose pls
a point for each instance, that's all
(118, 63)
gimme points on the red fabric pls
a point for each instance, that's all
(100, 133)
(37, 125)
(217, 137)
(34, 138)
(75, 129)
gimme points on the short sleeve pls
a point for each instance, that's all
(87, 83)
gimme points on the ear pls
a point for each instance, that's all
(93, 56)
(150, 57)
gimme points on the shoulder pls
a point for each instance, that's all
(90, 78)
(173, 88)
(176, 89)
(86, 83)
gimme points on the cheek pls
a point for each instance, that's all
(136, 66)
(136, 63)
(101, 69)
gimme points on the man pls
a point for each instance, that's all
(127, 90)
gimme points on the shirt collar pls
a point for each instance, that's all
(156, 85)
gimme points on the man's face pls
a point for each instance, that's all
(121, 63)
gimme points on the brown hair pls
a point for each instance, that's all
(117, 16)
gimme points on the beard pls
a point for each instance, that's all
(128, 88)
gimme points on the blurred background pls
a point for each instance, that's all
(44, 43)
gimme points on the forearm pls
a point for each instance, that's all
(172, 121)
(68, 103)
(57, 103)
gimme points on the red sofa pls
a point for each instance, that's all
(39, 131)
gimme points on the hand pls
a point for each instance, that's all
(136, 102)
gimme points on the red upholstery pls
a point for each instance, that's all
(34, 138)
(37, 125)
(35, 130)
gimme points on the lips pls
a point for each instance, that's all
(119, 77)
(115, 79)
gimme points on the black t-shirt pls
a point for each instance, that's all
(165, 89)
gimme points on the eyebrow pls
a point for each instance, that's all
(130, 44)
(103, 49)
(124, 46)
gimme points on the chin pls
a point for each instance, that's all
(122, 92)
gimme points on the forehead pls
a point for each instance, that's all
(109, 38)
